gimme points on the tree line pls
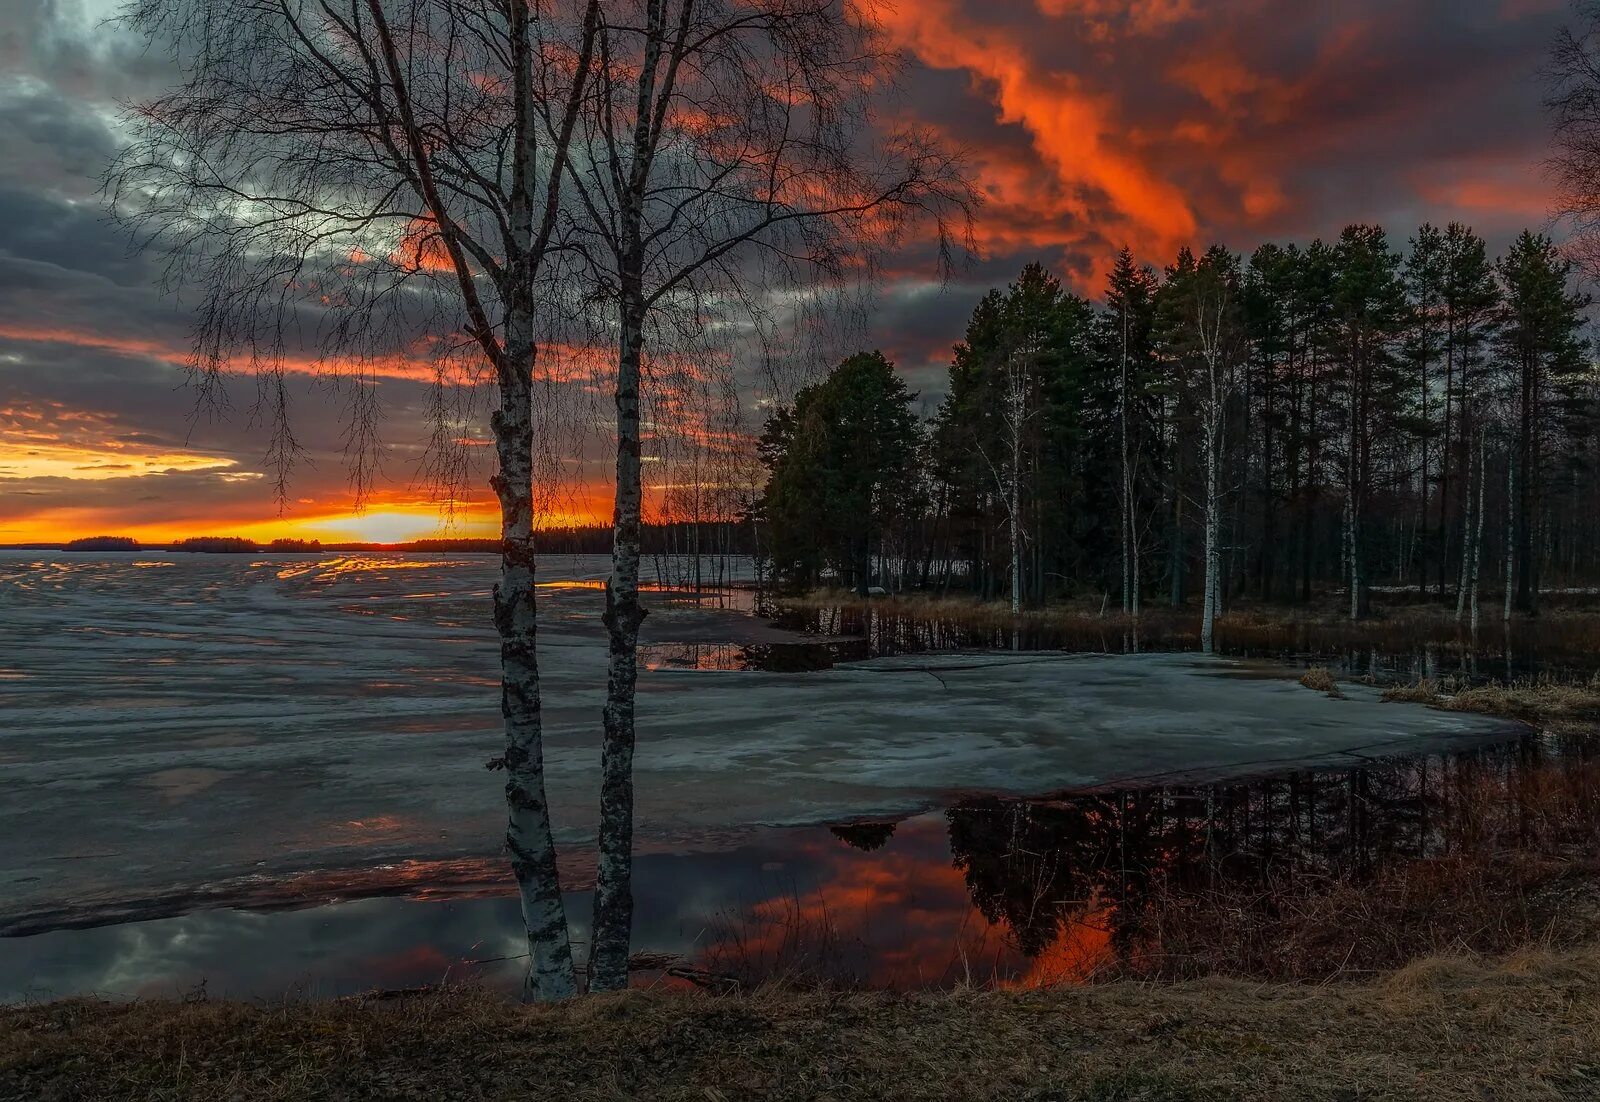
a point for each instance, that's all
(1325, 417)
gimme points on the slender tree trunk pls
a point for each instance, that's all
(1313, 469)
(529, 839)
(528, 835)
(1511, 559)
(1128, 568)
(1445, 450)
(1526, 597)
(1421, 550)
(1466, 542)
(1213, 526)
(1017, 399)
(1359, 470)
(1175, 553)
(1353, 529)
(1477, 534)
(1016, 549)
(613, 895)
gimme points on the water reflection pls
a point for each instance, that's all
(1407, 647)
(801, 657)
(993, 891)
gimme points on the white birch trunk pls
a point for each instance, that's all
(1130, 600)
(529, 839)
(1511, 518)
(1213, 558)
(1466, 549)
(613, 897)
(1016, 554)
(1477, 535)
(528, 835)
(1219, 385)
(1017, 397)
(1353, 513)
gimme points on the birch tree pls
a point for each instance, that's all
(1204, 339)
(730, 150)
(1016, 411)
(1214, 306)
(384, 175)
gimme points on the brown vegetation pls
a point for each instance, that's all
(1343, 928)
(1318, 679)
(1569, 633)
(1525, 1027)
(1539, 700)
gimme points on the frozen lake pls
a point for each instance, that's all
(183, 733)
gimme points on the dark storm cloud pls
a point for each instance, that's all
(1090, 124)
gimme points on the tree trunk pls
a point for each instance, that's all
(1477, 534)
(613, 892)
(1126, 494)
(528, 836)
(1466, 542)
(1511, 559)
(1352, 550)
(1013, 508)
(1213, 558)
(1526, 596)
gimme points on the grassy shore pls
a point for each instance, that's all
(1568, 629)
(1526, 1027)
(1544, 702)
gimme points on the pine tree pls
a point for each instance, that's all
(1471, 298)
(1425, 341)
(1369, 315)
(1126, 413)
(1541, 346)
(841, 472)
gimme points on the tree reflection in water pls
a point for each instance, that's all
(1059, 889)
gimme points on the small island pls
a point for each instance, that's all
(217, 545)
(103, 543)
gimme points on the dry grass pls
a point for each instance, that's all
(1319, 679)
(1522, 1028)
(1339, 928)
(1570, 634)
(1423, 692)
(1534, 700)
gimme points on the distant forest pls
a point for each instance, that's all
(1326, 417)
(719, 538)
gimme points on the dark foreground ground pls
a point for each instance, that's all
(1524, 1027)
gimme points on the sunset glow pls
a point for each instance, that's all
(1086, 125)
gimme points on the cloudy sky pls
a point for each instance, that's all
(1088, 123)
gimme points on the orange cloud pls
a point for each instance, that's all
(909, 907)
(1074, 130)
(422, 361)
(1106, 17)
(1522, 195)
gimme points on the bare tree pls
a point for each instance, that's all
(730, 152)
(1015, 412)
(1572, 102)
(382, 175)
(1213, 306)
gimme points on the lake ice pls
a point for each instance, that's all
(181, 729)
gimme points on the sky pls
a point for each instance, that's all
(1087, 125)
